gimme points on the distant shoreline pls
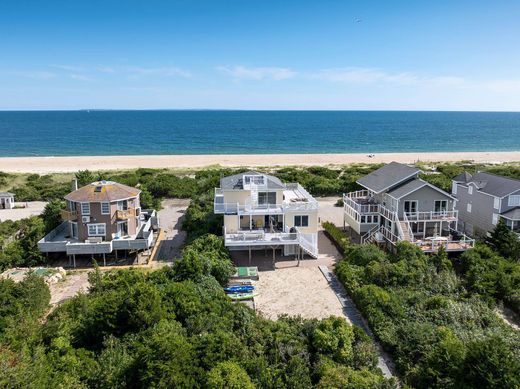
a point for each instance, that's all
(44, 165)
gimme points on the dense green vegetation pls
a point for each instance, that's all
(173, 327)
(439, 333)
(338, 237)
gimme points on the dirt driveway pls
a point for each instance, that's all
(71, 285)
(170, 218)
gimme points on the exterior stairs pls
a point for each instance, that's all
(406, 232)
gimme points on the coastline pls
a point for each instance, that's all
(45, 165)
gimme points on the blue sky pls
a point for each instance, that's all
(245, 54)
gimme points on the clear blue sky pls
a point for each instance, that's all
(245, 54)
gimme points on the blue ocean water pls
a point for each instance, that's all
(47, 133)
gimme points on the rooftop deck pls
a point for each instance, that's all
(296, 198)
(59, 240)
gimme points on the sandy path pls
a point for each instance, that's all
(296, 291)
(71, 164)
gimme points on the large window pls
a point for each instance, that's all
(441, 205)
(265, 198)
(85, 209)
(257, 180)
(468, 208)
(98, 229)
(122, 205)
(301, 221)
(514, 201)
(105, 208)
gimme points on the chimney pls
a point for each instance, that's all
(74, 184)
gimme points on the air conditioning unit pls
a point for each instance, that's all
(85, 219)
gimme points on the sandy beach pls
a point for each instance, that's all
(44, 165)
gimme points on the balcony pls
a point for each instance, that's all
(125, 214)
(68, 215)
(432, 216)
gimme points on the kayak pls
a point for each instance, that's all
(242, 296)
(239, 289)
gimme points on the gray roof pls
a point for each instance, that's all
(412, 186)
(387, 176)
(6, 194)
(236, 181)
(495, 185)
(462, 177)
(513, 214)
(404, 189)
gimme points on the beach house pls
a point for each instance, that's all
(100, 218)
(396, 205)
(262, 212)
(484, 199)
(6, 200)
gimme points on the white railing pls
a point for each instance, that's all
(432, 215)
(358, 194)
(408, 226)
(449, 244)
(361, 208)
(389, 235)
(309, 242)
(370, 232)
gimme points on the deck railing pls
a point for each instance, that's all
(68, 215)
(125, 214)
(426, 216)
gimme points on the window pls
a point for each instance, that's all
(514, 200)
(265, 198)
(85, 209)
(363, 219)
(105, 208)
(257, 180)
(496, 203)
(74, 229)
(494, 220)
(470, 189)
(122, 205)
(72, 206)
(441, 205)
(468, 208)
(454, 188)
(301, 221)
(96, 229)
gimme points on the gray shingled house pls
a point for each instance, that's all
(396, 205)
(483, 199)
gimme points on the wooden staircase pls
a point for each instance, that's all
(406, 231)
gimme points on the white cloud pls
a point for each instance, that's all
(160, 71)
(257, 73)
(379, 76)
(69, 68)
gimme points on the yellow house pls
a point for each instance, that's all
(260, 211)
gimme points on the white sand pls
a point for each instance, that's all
(71, 164)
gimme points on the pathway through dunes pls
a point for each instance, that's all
(351, 313)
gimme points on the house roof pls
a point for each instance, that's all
(494, 185)
(513, 214)
(387, 176)
(412, 186)
(6, 194)
(462, 177)
(103, 191)
(236, 181)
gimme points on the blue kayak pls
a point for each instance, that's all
(239, 289)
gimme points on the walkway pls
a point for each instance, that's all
(352, 314)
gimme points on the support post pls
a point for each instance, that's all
(104, 260)
(74, 259)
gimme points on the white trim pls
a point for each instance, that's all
(301, 220)
(468, 207)
(72, 230)
(105, 203)
(85, 213)
(494, 219)
(447, 204)
(496, 202)
(470, 189)
(97, 227)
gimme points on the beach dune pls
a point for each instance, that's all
(43, 165)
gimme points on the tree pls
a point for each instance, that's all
(334, 337)
(504, 241)
(51, 215)
(84, 177)
(228, 375)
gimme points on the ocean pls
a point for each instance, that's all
(114, 132)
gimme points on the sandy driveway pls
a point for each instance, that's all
(170, 218)
(74, 283)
